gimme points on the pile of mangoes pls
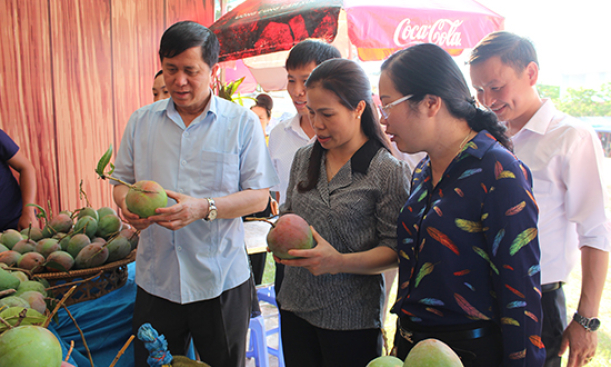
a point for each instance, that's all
(85, 238)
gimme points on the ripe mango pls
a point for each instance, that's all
(10, 237)
(94, 254)
(289, 232)
(145, 197)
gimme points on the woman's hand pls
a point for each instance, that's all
(322, 259)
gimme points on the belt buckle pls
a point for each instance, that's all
(407, 335)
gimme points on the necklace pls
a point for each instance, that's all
(464, 141)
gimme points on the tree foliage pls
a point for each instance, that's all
(580, 102)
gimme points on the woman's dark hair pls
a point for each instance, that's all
(428, 69)
(184, 35)
(158, 73)
(266, 102)
(347, 80)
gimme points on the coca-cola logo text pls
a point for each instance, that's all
(442, 32)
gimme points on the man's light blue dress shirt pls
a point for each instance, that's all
(221, 152)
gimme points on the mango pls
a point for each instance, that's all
(87, 225)
(13, 301)
(60, 223)
(10, 237)
(92, 255)
(118, 248)
(36, 300)
(11, 315)
(432, 353)
(3, 248)
(289, 232)
(9, 257)
(31, 285)
(88, 211)
(108, 225)
(131, 235)
(63, 258)
(8, 280)
(17, 346)
(63, 243)
(47, 245)
(104, 211)
(77, 243)
(32, 261)
(385, 361)
(35, 234)
(145, 198)
(24, 246)
(20, 275)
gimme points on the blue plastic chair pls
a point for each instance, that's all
(268, 294)
(257, 348)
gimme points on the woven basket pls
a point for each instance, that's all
(90, 283)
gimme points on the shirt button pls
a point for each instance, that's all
(179, 248)
(181, 191)
(183, 162)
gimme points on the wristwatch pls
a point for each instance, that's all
(212, 211)
(590, 324)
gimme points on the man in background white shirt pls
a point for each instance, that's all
(292, 133)
(565, 157)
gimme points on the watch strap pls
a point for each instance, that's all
(212, 210)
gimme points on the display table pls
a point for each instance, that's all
(106, 321)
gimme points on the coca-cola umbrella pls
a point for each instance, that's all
(375, 28)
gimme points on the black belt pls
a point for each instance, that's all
(468, 334)
(551, 287)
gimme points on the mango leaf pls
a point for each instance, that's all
(42, 213)
(56, 266)
(103, 162)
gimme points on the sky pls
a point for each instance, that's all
(571, 37)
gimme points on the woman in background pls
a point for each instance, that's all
(263, 109)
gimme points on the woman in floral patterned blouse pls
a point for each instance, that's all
(467, 236)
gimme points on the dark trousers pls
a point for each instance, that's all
(486, 351)
(554, 323)
(218, 326)
(305, 345)
(257, 265)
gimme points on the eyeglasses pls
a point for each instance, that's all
(384, 109)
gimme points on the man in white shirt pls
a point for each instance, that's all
(293, 133)
(565, 157)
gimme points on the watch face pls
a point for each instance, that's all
(594, 324)
(212, 214)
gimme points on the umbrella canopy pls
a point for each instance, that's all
(375, 29)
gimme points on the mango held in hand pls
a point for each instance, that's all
(289, 232)
(145, 197)
(432, 353)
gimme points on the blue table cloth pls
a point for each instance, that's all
(106, 324)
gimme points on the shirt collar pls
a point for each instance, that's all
(170, 108)
(540, 121)
(361, 160)
(479, 145)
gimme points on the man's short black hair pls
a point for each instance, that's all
(310, 50)
(184, 35)
(512, 49)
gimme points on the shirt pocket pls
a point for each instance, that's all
(220, 172)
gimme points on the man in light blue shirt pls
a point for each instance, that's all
(210, 155)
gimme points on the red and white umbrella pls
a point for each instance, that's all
(375, 29)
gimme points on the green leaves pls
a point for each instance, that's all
(103, 162)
